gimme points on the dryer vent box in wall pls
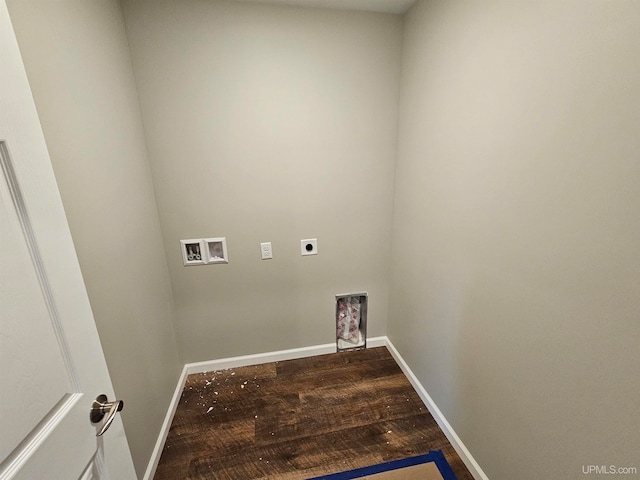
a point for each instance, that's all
(351, 321)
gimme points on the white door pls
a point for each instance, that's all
(51, 362)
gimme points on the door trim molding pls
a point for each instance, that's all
(20, 206)
(30, 444)
(278, 356)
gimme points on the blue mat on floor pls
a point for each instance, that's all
(435, 456)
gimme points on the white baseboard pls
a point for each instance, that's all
(268, 357)
(164, 430)
(442, 422)
(260, 358)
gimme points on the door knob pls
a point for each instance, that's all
(102, 408)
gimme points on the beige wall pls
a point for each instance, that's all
(514, 285)
(79, 69)
(275, 124)
(516, 275)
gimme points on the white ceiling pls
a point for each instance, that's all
(384, 6)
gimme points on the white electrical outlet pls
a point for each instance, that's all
(265, 250)
(309, 246)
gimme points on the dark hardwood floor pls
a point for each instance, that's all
(298, 419)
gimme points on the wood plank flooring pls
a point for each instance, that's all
(298, 419)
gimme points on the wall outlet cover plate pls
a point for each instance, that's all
(266, 251)
(309, 246)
